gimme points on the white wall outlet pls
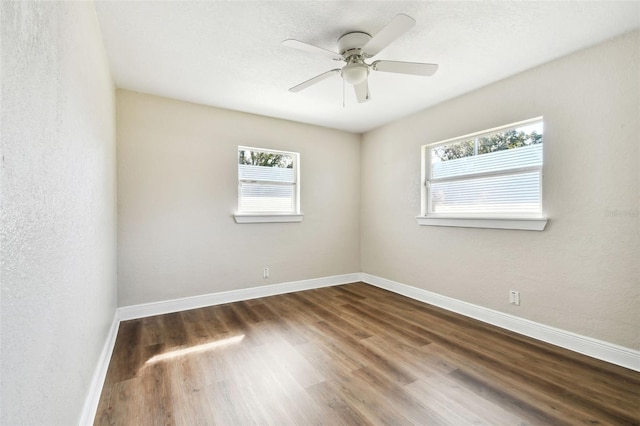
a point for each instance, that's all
(514, 297)
(265, 272)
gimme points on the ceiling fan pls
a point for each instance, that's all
(354, 48)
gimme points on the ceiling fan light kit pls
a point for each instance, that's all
(354, 48)
(355, 72)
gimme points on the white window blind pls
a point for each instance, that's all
(491, 174)
(267, 181)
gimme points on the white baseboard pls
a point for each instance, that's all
(605, 351)
(595, 348)
(186, 303)
(97, 382)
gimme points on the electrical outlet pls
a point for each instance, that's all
(265, 272)
(514, 297)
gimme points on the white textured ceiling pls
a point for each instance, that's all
(228, 53)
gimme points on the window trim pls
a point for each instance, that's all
(270, 216)
(523, 224)
(527, 222)
(267, 218)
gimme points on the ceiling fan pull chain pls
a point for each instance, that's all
(343, 89)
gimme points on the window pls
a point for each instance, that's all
(488, 179)
(268, 186)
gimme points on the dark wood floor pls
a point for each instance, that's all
(351, 354)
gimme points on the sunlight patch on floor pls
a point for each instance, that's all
(194, 349)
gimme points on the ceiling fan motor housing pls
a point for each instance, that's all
(350, 44)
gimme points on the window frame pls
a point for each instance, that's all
(512, 220)
(269, 216)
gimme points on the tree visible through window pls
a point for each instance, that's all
(501, 141)
(266, 159)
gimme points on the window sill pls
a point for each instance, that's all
(267, 218)
(495, 223)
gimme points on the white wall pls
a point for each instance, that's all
(582, 273)
(177, 191)
(57, 182)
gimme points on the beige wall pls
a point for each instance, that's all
(582, 273)
(57, 184)
(177, 191)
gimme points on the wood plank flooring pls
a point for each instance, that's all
(351, 355)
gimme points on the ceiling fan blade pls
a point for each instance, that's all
(415, 68)
(314, 80)
(399, 25)
(296, 44)
(362, 91)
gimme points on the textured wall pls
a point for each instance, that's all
(582, 273)
(177, 190)
(58, 209)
